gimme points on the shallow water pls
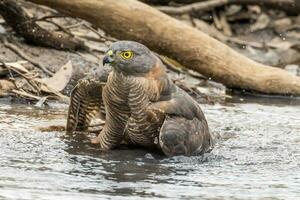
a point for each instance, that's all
(257, 157)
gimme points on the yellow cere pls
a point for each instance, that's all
(110, 52)
(126, 54)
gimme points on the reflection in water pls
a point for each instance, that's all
(257, 156)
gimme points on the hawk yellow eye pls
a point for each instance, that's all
(126, 55)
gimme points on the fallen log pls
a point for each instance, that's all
(133, 20)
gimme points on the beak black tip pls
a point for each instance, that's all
(105, 60)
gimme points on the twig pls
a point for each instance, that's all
(8, 68)
(31, 96)
(74, 25)
(252, 44)
(48, 17)
(25, 94)
(200, 6)
(167, 62)
(60, 28)
(246, 43)
(216, 20)
(24, 56)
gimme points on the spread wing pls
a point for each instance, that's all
(86, 103)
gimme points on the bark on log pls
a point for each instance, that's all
(133, 20)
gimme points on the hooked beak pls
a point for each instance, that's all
(108, 58)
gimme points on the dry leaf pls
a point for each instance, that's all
(26, 95)
(14, 66)
(59, 80)
(18, 66)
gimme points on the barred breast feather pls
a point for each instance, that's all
(115, 98)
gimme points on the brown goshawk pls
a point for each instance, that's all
(140, 105)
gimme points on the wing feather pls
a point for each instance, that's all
(86, 103)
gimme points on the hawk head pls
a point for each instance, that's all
(130, 58)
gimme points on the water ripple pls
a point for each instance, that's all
(257, 156)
